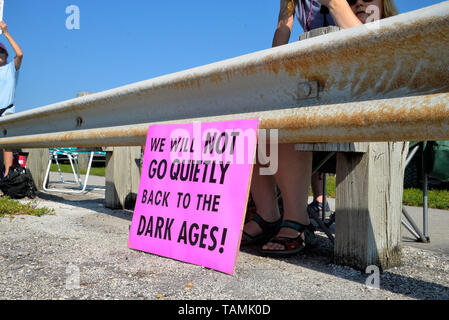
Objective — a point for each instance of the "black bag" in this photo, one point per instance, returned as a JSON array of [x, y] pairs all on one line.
[[18, 183]]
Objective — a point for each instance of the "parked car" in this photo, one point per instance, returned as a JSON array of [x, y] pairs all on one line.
[[436, 165]]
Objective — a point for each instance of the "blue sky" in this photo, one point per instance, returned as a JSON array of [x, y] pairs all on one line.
[[121, 42]]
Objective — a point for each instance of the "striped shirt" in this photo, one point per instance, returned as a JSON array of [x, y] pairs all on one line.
[[309, 16]]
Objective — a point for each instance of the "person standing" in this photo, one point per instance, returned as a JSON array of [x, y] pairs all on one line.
[[8, 81]]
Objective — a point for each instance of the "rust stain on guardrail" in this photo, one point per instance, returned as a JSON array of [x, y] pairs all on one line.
[[417, 118]]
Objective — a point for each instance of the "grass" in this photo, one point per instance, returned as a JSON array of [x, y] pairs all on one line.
[[438, 199], [331, 188], [94, 171], [12, 207]]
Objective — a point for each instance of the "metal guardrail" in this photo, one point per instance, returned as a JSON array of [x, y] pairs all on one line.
[[390, 83]]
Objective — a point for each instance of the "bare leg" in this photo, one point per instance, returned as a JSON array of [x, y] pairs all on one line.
[[293, 178], [263, 191], [317, 187], [7, 160]]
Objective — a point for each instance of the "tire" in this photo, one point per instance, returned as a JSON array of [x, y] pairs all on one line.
[[411, 176]]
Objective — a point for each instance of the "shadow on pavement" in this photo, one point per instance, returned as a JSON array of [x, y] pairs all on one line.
[[91, 201], [321, 259]]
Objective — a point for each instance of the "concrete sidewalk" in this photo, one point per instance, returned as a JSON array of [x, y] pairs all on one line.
[[93, 182], [438, 230]]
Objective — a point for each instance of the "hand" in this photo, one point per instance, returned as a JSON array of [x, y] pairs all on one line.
[[4, 27], [342, 13]]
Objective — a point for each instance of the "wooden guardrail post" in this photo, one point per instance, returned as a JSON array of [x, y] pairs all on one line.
[[122, 177], [84, 156], [369, 206]]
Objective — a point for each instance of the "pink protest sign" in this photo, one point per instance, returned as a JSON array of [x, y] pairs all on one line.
[[193, 192]]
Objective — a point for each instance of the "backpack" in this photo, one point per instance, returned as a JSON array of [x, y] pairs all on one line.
[[18, 183]]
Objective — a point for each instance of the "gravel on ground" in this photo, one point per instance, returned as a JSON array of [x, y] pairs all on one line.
[[80, 252]]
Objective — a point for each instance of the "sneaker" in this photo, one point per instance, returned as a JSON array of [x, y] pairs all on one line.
[[314, 209], [329, 222], [317, 207]]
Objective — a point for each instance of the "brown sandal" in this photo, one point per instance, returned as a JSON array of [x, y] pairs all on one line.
[[292, 246], [269, 229]]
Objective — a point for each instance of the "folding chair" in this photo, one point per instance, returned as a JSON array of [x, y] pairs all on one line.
[[411, 225], [72, 155]]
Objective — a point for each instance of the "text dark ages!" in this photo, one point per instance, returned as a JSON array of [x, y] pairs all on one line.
[[202, 236]]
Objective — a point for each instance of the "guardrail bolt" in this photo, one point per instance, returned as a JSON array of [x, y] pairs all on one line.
[[307, 90], [79, 121]]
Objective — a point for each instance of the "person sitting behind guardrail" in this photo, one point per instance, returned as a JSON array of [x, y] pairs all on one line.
[[291, 233], [8, 82]]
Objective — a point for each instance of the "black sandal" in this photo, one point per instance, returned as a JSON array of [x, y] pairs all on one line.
[[292, 246], [269, 229]]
